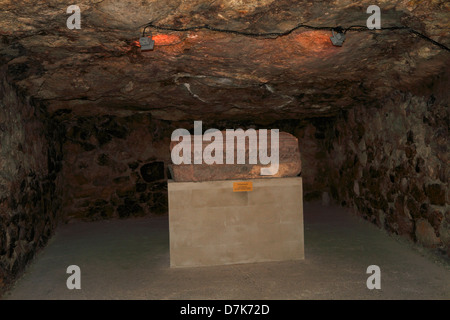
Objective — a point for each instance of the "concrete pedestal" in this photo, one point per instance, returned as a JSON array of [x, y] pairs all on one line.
[[216, 223]]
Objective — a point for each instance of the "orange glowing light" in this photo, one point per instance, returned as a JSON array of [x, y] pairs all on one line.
[[161, 40], [314, 40], [166, 39]]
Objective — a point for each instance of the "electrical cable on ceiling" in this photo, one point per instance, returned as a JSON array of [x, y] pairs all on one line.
[[340, 30]]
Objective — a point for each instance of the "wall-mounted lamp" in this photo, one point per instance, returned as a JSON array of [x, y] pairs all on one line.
[[337, 38], [146, 43]]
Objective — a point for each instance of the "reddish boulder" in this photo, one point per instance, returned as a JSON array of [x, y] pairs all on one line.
[[289, 162]]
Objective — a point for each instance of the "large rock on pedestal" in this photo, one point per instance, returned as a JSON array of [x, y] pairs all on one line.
[[289, 162]]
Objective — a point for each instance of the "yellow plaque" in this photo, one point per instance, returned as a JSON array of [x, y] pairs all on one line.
[[243, 186]]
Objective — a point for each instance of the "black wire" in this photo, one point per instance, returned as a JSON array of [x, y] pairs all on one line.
[[244, 33], [357, 28], [364, 28], [429, 39]]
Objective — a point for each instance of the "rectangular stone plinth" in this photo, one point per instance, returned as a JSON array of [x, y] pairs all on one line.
[[210, 224]]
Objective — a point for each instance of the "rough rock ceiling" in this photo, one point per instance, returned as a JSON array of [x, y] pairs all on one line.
[[207, 75]]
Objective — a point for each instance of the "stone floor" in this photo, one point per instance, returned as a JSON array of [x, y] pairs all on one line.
[[129, 259]]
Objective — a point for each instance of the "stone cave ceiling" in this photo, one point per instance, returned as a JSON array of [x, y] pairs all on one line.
[[202, 74]]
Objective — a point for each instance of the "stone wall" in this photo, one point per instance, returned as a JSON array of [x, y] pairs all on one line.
[[391, 164], [115, 167], [313, 138], [30, 159]]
